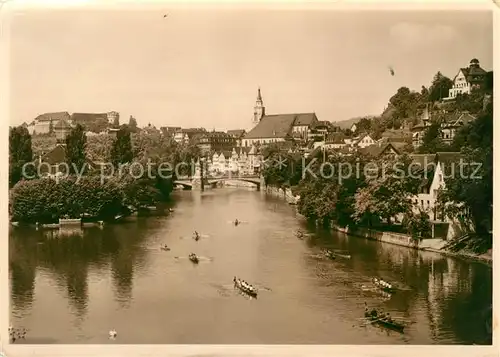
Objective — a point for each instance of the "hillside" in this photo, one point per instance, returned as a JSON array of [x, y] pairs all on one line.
[[346, 124]]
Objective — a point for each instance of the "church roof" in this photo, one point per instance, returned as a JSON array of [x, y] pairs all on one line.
[[305, 119], [280, 125], [272, 126]]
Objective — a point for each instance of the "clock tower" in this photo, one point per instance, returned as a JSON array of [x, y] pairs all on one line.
[[259, 110]]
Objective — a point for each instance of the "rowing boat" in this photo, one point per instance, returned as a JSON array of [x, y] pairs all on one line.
[[384, 285], [193, 258], [384, 322], [247, 290], [329, 254], [334, 255]]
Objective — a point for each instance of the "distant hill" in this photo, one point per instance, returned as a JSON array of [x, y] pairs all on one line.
[[346, 124]]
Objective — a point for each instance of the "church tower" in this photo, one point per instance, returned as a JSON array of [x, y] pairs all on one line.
[[259, 110]]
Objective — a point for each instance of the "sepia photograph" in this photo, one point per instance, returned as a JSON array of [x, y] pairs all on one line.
[[193, 175]]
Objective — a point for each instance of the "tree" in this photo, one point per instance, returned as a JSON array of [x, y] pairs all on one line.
[[51, 127], [76, 143], [364, 125], [20, 153], [472, 189], [424, 93], [121, 152], [404, 104], [132, 124], [116, 121], [387, 193], [440, 87], [418, 225], [432, 140]]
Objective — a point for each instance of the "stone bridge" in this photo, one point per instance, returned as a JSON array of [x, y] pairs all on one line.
[[188, 183]]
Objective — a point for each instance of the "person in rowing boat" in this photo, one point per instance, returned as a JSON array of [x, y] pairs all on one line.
[[236, 222], [388, 317], [196, 235], [367, 312]]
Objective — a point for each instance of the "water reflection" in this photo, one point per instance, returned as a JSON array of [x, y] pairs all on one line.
[[69, 254], [117, 276], [455, 295]]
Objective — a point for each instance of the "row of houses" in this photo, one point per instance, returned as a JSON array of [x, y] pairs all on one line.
[[60, 123]]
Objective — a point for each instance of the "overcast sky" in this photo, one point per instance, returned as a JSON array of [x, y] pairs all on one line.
[[203, 68]]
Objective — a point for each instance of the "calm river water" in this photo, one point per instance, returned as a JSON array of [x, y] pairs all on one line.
[[75, 288]]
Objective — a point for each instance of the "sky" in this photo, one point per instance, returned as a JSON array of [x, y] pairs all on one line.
[[203, 68]]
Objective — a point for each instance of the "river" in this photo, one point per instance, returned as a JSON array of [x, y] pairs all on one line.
[[76, 288]]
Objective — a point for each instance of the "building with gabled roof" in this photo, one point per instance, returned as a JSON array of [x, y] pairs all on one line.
[[215, 141], [467, 79], [277, 127], [378, 150], [53, 163], [44, 123]]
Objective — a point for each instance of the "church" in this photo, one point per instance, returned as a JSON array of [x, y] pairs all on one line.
[[277, 127]]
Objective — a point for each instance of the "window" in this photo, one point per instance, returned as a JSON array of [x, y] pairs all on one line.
[[440, 178], [422, 203], [428, 203]]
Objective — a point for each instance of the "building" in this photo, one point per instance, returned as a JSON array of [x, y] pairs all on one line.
[[378, 150], [419, 129], [169, 131], [362, 141], [112, 117], [259, 111], [278, 127], [303, 124], [450, 123], [53, 163], [238, 135], [94, 122], [437, 167], [185, 135], [335, 141], [241, 161], [151, 130], [215, 141], [44, 123], [453, 123], [467, 79], [319, 130]]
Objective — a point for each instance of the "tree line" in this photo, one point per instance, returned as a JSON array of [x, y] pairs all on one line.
[[41, 199], [378, 201]]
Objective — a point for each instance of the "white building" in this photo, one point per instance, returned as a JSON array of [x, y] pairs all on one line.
[[467, 79]]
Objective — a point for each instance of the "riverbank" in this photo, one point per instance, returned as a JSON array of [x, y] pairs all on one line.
[[430, 245], [286, 194]]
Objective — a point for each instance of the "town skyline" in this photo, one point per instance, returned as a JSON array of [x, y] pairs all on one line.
[[209, 76]]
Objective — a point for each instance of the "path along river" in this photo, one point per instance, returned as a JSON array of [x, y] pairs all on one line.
[[74, 289]]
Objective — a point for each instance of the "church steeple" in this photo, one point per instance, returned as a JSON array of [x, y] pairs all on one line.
[[259, 110]]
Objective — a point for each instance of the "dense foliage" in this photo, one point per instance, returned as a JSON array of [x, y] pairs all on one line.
[[76, 141], [472, 190], [20, 153], [121, 151]]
